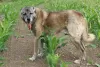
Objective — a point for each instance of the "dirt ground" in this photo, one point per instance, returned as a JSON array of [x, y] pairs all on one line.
[[20, 48]]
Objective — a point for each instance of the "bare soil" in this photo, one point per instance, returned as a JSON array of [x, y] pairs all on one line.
[[20, 48]]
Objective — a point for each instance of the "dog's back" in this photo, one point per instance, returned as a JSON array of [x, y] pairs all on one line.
[[59, 20]]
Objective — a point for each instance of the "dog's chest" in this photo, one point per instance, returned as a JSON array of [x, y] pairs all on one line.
[[34, 29]]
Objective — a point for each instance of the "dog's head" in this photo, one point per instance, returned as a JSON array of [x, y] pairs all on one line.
[[28, 15]]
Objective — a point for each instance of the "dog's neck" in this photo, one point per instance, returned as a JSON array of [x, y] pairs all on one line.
[[40, 18], [41, 15]]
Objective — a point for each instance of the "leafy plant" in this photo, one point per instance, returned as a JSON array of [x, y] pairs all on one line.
[[93, 46], [1, 59], [90, 61], [63, 64], [6, 25], [98, 55], [1, 63], [52, 60], [51, 43], [98, 65]]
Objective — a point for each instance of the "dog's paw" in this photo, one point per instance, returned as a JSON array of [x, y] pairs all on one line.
[[40, 55], [77, 61], [32, 58], [83, 58]]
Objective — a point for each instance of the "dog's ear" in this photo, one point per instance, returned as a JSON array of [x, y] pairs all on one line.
[[34, 9]]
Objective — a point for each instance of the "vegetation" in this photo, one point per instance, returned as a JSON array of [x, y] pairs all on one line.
[[9, 11], [1, 61], [50, 43]]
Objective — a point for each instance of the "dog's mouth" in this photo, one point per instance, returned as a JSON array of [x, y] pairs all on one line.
[[29, 26]]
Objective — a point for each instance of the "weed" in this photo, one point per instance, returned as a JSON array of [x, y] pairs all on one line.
[[90, 61], [63, 64], [1, 61], [98, 65], [51, 43], [52, 60], [98, 55]]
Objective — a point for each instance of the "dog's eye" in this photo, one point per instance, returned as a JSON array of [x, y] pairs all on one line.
[[31, 13], [24, 13]]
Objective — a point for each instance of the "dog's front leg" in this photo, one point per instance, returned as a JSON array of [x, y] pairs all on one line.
[[35, 49], [40, 48]]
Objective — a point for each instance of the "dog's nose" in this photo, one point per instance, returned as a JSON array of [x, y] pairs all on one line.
[[28, 20]]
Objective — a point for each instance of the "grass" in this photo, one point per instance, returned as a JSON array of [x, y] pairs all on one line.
[[1, 61]]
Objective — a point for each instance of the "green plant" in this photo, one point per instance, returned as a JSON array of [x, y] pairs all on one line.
[[1, 63], [98, 65], [63, 64], [98, 54], [51, 43], [90, 61], [1, 59], [52, 60], [93, 46], [6, 25]]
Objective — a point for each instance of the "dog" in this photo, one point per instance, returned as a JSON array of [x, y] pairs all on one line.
[[72, 21]]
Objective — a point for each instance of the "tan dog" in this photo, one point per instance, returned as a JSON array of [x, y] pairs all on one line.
[[71, 20]]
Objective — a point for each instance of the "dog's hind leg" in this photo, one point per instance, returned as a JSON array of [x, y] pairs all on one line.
[[75, 29], [84, 51], [78, 44]]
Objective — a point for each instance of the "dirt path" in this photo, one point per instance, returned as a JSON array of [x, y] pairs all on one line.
[[20, 48]]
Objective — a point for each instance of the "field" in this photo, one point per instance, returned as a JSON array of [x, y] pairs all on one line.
[[16, 40]]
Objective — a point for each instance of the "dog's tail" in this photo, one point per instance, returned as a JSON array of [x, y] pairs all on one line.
[[88, 37]]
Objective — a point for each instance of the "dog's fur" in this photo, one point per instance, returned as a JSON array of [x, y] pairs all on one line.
[[73, 21]]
